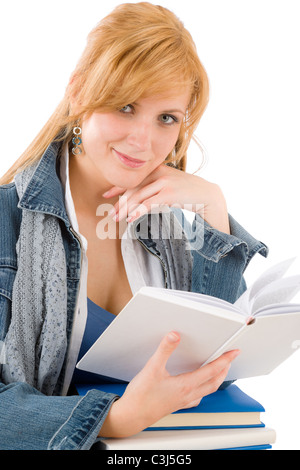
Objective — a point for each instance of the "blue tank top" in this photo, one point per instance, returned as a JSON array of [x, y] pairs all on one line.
[[98, 319]]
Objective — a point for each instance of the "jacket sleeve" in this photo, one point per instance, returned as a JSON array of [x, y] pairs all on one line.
[[30, 420]]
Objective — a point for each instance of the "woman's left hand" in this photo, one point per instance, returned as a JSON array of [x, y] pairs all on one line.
[[172, 187]]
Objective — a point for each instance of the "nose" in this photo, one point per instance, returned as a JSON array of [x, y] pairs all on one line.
[[140, 136]]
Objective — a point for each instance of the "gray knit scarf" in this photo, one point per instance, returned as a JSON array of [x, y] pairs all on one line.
[[35, 345]]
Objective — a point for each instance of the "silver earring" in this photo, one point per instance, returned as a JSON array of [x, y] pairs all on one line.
[[76, 141]]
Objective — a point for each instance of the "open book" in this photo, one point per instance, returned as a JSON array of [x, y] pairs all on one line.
[[262, 324]]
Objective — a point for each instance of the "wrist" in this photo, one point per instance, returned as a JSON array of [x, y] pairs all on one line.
[[120, 422], [214, 211]]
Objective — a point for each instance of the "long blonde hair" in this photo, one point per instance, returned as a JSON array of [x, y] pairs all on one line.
[[136, 51]]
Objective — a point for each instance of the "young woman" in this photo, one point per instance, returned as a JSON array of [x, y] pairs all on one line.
[[117, 143]]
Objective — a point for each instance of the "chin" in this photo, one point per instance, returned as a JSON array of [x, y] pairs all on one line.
[[126, 179]]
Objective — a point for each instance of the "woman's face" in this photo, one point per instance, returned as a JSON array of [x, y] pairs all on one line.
[[126, 145]]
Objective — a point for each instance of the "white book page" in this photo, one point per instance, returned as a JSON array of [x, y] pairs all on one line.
[[280, 291], [246, 300], [277, 309]]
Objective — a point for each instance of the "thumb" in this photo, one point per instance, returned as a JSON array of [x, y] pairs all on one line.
[[168, 344]]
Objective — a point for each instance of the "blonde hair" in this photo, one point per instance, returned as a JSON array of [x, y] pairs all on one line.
[[138, 50]]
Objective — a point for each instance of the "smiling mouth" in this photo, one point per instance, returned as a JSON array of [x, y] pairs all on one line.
[[129, 161]]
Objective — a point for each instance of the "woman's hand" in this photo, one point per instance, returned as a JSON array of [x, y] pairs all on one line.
[[172, 187], [154, 393]]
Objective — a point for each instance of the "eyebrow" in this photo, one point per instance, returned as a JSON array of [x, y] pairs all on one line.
[[166, 111], [173, 111]]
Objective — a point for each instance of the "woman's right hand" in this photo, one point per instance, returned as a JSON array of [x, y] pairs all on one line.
[[153, 393]]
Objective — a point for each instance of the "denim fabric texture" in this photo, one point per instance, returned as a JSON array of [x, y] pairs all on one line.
[[28, 419]]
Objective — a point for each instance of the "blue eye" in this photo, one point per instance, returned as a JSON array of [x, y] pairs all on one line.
[[126, 109], [168, 119]]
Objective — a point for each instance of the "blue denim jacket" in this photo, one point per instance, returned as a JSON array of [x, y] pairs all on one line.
[[30, 420]]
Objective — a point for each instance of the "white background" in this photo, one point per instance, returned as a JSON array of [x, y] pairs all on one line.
[[250, 49]]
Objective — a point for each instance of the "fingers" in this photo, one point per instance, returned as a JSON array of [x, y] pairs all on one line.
[[211, 370], [208, 378], [148, 206], [168, 344], [114, 191], [183, 390], [212, 375], [192, 404], [214, 383], [138, 201]]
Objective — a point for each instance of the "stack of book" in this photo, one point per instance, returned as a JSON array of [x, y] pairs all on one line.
[[226, 419]]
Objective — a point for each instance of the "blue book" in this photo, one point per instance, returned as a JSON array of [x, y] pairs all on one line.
[[262, 447], [230, 407]]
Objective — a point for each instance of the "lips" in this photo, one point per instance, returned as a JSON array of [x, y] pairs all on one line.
[[129, 161]]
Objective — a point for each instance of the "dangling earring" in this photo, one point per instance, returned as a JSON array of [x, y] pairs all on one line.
[[76, 141]]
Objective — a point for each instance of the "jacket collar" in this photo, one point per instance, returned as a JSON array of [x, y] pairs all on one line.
[[44, 192]]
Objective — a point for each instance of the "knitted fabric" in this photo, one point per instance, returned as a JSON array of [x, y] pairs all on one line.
[[35, 345]]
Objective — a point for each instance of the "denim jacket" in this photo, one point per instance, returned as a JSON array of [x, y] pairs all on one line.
[[30, 420]]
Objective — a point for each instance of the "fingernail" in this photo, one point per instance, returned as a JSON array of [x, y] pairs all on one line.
[[173, 337], [112, 211], [235, 354], [131, 217]]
